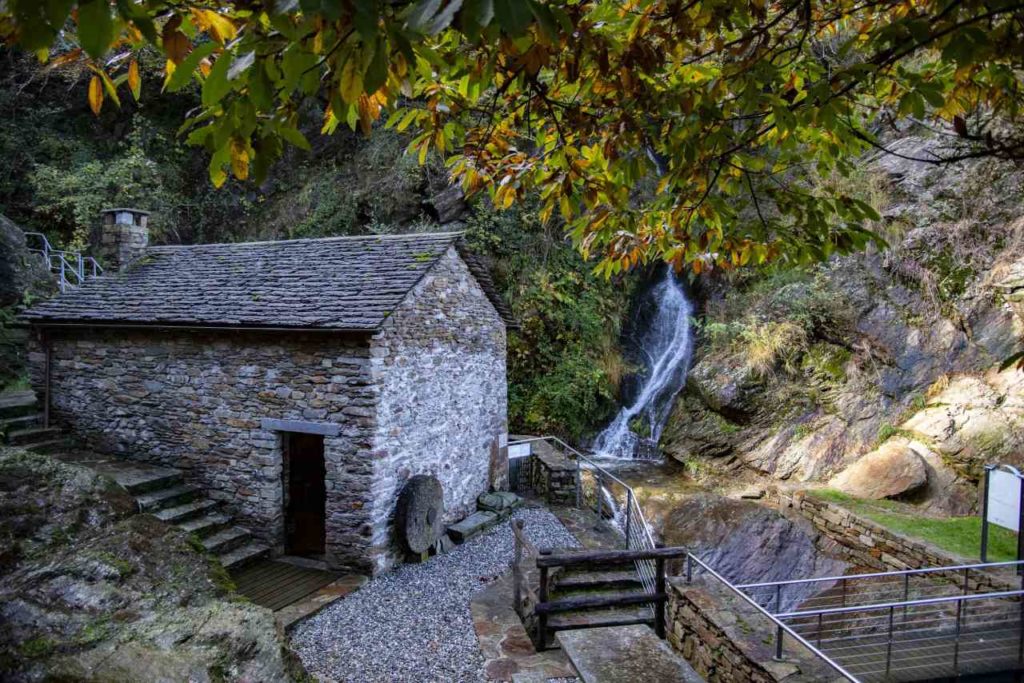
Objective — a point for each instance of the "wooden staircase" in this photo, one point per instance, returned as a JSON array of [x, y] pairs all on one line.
[[599, 589], [159, 491]]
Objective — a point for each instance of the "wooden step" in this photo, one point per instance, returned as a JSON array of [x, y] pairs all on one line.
[[10, 424], [206, 525], [598, 600], [243, 555], [591, 619], [609, 580], [60, 445], [18, 403], [226, 540], [32, 435], [181, 513], [168, 497]]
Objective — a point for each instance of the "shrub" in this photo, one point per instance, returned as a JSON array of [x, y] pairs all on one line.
[[766, 345]]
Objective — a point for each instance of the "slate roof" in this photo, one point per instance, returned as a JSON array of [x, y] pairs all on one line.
[[337, 283]]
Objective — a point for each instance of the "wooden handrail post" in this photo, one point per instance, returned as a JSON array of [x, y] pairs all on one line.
[[659, 589], [542, 618]]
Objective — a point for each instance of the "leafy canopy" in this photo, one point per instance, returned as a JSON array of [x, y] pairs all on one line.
[[697, 131]]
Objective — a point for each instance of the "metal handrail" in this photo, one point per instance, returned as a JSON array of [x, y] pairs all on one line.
[[926, 570], [902, 603], [781, 628], [636, 529], [57, 262]]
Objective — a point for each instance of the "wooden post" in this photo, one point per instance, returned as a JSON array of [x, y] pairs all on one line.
[[542, 618], [659, 588], [516, 559]]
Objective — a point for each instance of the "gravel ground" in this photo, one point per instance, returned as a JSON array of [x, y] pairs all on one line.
[[413, 624]]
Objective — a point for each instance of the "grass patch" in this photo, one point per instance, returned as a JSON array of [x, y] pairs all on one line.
[[958, 535]]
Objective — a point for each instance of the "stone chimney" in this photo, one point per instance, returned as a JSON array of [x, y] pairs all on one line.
[[123, 237]]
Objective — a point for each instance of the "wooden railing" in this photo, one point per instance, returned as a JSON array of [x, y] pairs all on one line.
[[594, 559]]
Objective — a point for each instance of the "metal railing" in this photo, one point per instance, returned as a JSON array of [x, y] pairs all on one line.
[[781, 628], [612, 499], [932, 622], [71, 267]]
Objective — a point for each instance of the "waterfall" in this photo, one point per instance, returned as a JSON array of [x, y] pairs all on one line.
[[667, 344]]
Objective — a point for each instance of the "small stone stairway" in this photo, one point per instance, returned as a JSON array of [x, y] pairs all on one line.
[[593, 583], [159, 491], [162, 492], [21, 424]]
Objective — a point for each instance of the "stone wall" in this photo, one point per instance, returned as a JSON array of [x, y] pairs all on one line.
[[867, 544], [194, 400], [552, 474], [727, 641], [440, 364]]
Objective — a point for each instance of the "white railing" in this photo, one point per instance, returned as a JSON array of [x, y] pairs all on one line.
[[611, 498], [71, 267]]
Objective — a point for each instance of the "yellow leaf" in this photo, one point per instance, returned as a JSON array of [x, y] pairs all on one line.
[[95, 95], [134, 80], [239, 159], [351, 85], [217, 25]]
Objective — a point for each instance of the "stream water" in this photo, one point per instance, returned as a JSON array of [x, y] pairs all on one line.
[[666, 344]]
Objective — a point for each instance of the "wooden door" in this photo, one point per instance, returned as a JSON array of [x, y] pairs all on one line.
[[305, 517]]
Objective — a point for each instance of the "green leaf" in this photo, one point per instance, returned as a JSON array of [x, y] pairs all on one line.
[[95, 27], [294, 136], [377, 72], [217, 84], [182, 75], [513, 15], [421, 13]]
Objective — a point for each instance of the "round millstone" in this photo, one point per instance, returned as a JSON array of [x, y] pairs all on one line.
[[420, 511]]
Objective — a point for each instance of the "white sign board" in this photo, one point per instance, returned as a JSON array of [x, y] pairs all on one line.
[[1004, 499], [519, 450]]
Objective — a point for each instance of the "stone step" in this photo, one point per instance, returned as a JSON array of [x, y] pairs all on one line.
[[32, 435], [241, 556], [207, 525], [139, 478], [625, 654], [181, 513], [10, 424], [18, 403], [164, 498], [226, 540], [477, 522], [610, 580]]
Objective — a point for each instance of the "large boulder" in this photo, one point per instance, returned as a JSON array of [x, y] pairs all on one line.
[[91, 591], [20, 269], [892, 470]]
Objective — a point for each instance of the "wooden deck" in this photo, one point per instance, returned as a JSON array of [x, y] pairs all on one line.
[[275, 584]]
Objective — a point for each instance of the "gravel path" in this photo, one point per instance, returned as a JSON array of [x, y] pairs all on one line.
[[413, 624]]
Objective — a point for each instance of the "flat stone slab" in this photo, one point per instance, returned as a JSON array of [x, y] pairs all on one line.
[[137, 477], [472, 525], [624, 654], [498, 501]]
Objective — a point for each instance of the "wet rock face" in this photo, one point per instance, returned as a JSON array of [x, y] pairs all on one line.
[[892, 470], [942, 307], [90, 591], [747, 542]]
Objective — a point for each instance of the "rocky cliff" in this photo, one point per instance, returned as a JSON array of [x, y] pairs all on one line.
[[22, 277], [891, 356], [91, 592]]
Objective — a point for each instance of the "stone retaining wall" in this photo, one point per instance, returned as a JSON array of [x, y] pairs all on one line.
[[552, 474], [727, 641], [868, 544]]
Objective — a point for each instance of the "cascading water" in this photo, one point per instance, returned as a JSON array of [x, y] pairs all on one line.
[[667, 343]]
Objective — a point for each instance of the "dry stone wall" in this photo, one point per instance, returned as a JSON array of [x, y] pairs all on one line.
[[868, 544], [727, 641], [195, 401], [440, 366]]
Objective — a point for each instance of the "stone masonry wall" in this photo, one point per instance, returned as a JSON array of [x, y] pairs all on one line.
[[868, 544], [552, 475], [725, 640], [194, 401], [440, 363]]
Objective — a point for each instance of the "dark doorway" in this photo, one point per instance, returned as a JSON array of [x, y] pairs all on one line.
[[305, 514]]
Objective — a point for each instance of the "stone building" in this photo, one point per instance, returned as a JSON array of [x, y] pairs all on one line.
[[327, 371]]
